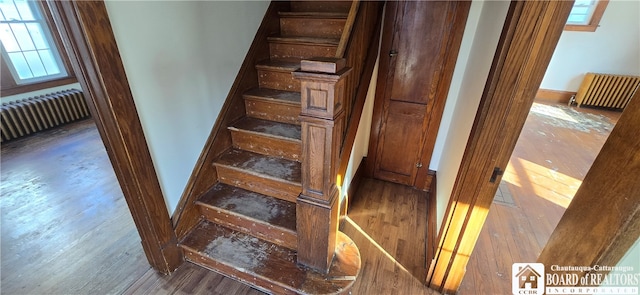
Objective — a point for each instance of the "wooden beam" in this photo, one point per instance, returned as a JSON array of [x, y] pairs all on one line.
[[89, 41], [531, 32], [603, 219]]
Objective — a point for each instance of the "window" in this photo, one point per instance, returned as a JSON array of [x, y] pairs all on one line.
[[585, 15], [31, 59]]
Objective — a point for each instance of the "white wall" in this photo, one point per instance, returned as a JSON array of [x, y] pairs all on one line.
[[181, 59], [478, 47], [361, 143], [614, 48], [630, 260], [10, 98]]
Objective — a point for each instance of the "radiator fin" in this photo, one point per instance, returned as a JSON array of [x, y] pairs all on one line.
[[27, 116], [608, 91]]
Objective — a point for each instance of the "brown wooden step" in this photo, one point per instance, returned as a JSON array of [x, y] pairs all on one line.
[[314, 14], [267, 266], [321, 25], [267, 137], [273, 105], [302, 47], [321, 6], [271, 176], [261, 216], [276, 74]]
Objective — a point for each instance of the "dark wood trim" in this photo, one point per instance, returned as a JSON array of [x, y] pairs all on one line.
[[603, 220], [91, 45], [9, 86], [204, 174], [531, 32], [34, 86], [594, 23], [360, 99], [557, 96], [458, 14], [389, 23], [431, 241]]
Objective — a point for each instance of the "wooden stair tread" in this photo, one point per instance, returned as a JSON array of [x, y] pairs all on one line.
[[271, 128], [251, 205], [274, 94], [304, 40], [268, 266], [262, 165], [312, 14], [321, 6], [279, 64]]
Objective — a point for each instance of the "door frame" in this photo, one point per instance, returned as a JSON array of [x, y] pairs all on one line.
[[531, 32], [91, 46]]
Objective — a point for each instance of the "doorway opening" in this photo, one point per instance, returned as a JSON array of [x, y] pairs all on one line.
[[556, 148]]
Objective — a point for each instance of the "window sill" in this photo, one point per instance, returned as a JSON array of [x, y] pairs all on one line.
[[581, 28], [37, 86]]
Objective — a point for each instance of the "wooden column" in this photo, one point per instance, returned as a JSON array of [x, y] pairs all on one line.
[[322, 119]]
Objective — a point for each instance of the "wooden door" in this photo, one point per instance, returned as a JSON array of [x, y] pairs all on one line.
[[419, 48]]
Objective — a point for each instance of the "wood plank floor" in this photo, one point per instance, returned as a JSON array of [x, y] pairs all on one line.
[[66, 228], [555, 150], [388, 223]]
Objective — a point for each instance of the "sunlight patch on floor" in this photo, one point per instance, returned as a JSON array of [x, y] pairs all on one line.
[[374, 243], [547, 183], [552, 111]]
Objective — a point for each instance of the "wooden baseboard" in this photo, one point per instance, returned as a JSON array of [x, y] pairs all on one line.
[[559, 96], [432, 222]]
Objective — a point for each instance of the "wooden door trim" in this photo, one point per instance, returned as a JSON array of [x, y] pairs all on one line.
[[531, 32], [457, 17], [389, 30], [91, 46]]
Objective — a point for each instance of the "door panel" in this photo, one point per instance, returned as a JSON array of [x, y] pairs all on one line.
[[419, 51], [398, 154]]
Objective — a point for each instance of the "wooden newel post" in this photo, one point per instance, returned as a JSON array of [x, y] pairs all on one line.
[[322, 118]]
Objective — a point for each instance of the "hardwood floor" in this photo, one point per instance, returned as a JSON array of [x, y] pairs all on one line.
[[388, 223], [555, 150], [66, 228]]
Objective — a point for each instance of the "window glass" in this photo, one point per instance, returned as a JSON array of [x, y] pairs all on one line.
[[27, 43], [581, 12]]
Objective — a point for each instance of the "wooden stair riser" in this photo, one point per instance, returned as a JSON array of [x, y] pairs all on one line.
[[300, 50], [312, 27], [273, 110], [266, 145], [265, 231], [321, 6], [277, 80], [276, 188], [234, 273], [267, 266]]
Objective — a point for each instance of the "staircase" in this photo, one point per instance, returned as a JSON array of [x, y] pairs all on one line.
[[247, 227]]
